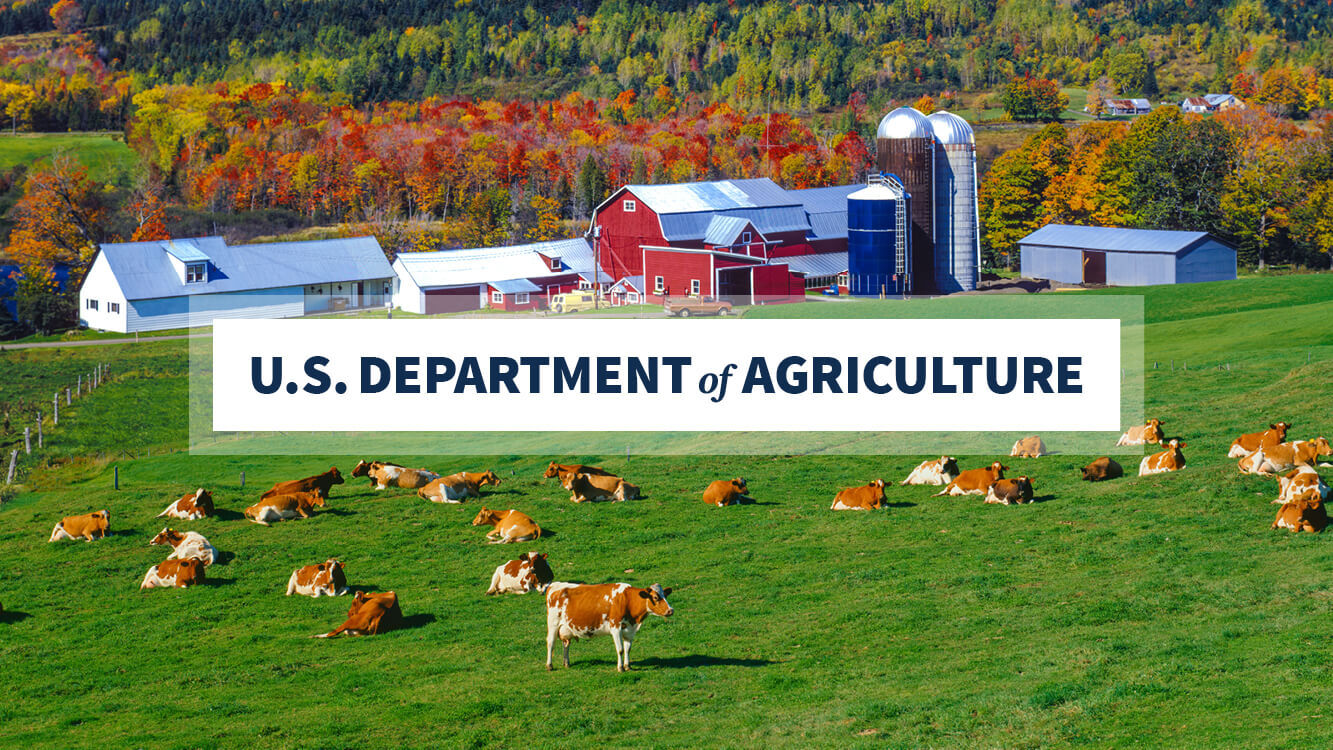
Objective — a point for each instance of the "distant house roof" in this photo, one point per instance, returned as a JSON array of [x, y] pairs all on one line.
[[826, 209], [1197, 101], [1141, 103], [144, 270], [1115, 239], [1216, 99], [487, 265], [725, 230], [819, 264], [514, 286]]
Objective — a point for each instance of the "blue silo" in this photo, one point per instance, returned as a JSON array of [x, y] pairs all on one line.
[[878, 257]]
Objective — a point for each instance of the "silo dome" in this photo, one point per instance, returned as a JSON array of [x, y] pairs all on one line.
[[950, 129], [903, 122]]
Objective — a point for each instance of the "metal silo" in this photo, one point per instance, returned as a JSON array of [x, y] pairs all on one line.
[[879, 239], [957, 248], [905, 146]]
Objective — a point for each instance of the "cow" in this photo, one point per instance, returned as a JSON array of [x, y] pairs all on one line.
[[1306, 514], [188, 545], [554, 470], [324, 579], [974, 481], [1102, 469], [321, 483], [1010, 491], [940, 471], [1028, 447], [866, 497], [1148, 432], [370, 614], [530, 572], [585, 488], [191, 507], [582, 611], [1170, 459], [1300, 483], [282, 507], [383, 475], [510, 526], [177, 573], [1284, 457], [727, 492], [89, 527], [1253, 441]]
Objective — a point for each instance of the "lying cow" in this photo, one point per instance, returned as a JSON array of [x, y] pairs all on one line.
[[940, 471], [1284, 457], [1170, 459], [1028, 447], [866, 497], [1148, 432], [186, 545], [582, 611], [1253, 441], [554, 470], [325, 579], [1102, 469], [457, 488], [585, 488], [178, 574], [283, 507], [974, 481], [89, 526], [370, 614], [1010, 491], [725, 492], [529, 572], [509, 526], [383, 475], [1306, 514], [191, 507], [1300, 483], [321, 483]]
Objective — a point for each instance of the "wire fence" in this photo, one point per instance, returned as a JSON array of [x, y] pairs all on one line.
[[44, 429]]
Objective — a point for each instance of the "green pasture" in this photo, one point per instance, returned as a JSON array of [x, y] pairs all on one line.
[[104, 154]]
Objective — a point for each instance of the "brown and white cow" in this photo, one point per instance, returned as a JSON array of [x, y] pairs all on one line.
[[974, 481], [1300, 483], [89, 526], [509, 526], [585, 488], [554, 470], [282, 507], [321, 483], [178, 574], [186, 545], [191, 507], [324, 579], [1028, 447], [1281, 458], [1306, 514], [530, 572], [457, 488], [725, 492], [1102, 469], [1253, 441], [1010, 491], [940, 471], [370, 614], [866, 497], [1148, 432], [583, 611], [1170, 459], [384, 474]]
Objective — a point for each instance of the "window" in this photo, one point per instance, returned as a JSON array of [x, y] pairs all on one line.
[[555, 264], [842, 279], [497, 298], [746, 237], [658, 285], [694, 287], [584, 285], [632, 298], [113, 308], [195, 272], [631, 207], [521, 298], [91, 304]]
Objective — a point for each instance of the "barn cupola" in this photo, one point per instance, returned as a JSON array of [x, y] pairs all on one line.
[[190, 263]]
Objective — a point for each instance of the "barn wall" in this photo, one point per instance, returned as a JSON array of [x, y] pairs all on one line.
[[203, 309], [624, 233], [676, 270], [407, 296], [100, 284], [1055, 263], [1140, 269], [1210, 261]]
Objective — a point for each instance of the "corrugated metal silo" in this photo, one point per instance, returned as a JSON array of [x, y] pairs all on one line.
[[956, 237], [878, 239], [905, 146]]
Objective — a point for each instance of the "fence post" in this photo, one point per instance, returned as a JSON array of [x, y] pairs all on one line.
[[79, 386], [67, 396], [242, 480], [55, 410], [39, 429], [27, 440], [115, 474], [13, 461]]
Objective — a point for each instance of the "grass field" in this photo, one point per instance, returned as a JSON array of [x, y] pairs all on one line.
[[102, 154], [1156, 612]]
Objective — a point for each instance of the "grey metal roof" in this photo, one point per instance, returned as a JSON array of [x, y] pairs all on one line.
[[481, 265], [633, 281], [692, 197], [1216, 99], [144, 270], [724, 230], [826, 209], [769, 221], [819, 264], [577, 256], [513, 286], [184, 250], [1114, 239]]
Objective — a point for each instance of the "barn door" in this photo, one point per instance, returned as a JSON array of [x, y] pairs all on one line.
[[1094, 267]]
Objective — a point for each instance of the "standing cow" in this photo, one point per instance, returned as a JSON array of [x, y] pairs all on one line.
[[583, 611]]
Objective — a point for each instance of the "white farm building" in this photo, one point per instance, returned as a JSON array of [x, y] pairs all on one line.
[[153, 286]]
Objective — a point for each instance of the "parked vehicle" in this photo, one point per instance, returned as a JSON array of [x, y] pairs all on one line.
[[684, 307], [573, 302]]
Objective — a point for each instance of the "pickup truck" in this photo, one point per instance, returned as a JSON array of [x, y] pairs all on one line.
[[684, 307]]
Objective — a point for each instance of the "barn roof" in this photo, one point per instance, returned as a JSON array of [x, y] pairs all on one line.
[[724, 230], [630, 282], [819, 264], [1115, 239], [482, 265], [144, 269], [827, 209], [513, 286], [685, 210]]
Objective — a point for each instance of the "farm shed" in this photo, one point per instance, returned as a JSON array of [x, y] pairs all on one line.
[[1125, 257], [153, 286], [517, 277]]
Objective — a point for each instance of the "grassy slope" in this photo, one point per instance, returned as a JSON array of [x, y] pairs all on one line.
[[99, 152], [1157, 611]]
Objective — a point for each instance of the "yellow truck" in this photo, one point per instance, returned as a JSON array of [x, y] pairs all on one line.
[[573, 301]]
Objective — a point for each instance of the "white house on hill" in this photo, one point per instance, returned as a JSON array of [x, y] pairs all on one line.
[[153, 286]]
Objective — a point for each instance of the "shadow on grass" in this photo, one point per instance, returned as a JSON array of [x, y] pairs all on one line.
[[1042, 498], [699, 660], [419, 620], [210, 581], [224, 558], [222, 514], [12, 616], [123, 532], [900, 504], [337, 512]]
